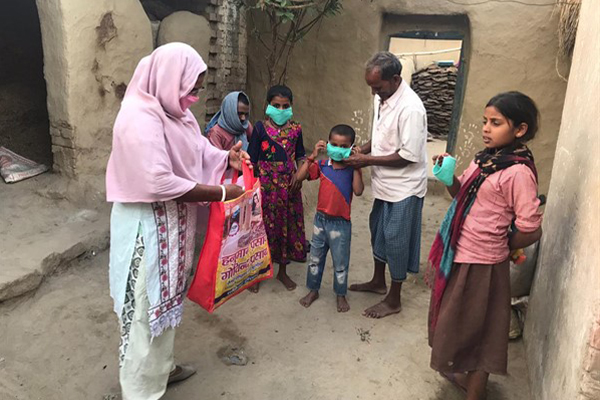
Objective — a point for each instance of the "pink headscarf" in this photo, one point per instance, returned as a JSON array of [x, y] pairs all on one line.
[[158, 152]]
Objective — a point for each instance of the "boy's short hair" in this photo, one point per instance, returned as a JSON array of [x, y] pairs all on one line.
[[343, 130]]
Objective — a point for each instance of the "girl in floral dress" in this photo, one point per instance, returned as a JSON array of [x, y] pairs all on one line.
[[276, 149]]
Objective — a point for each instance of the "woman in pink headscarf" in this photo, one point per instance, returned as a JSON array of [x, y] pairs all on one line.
[[159, 169]]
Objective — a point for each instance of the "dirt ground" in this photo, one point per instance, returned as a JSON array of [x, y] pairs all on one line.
[[61, 342]]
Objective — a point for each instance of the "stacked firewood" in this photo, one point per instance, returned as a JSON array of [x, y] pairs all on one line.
[[435, 86]]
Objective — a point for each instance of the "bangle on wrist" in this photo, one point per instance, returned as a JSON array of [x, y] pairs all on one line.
[[224, 195]]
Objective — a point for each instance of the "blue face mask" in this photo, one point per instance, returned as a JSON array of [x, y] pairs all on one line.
[[445, 172], [279, 116], [338, 153]]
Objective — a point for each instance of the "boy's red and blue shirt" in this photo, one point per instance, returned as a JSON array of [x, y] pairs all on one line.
[[335, 189]]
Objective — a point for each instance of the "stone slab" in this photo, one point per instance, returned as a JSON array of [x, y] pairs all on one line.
[[43, 233]]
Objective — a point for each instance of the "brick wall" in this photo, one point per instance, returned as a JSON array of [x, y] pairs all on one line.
[[590, 382], [63, 147], [227, 59]]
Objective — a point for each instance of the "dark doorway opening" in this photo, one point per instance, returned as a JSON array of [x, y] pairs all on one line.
[[24, 124], [158, 10]]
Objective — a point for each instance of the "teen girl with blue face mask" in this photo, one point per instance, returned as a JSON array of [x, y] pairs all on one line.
[[277, 150]]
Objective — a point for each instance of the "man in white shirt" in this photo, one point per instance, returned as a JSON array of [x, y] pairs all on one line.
[[397, 156]]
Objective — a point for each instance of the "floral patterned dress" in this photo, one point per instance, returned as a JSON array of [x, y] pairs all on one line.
[[275, 153]]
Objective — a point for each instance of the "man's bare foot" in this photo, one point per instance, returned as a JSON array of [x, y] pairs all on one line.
[[371, 287], [342, 304], [254, 288], [286, 280], [382, 309], [307, 300]]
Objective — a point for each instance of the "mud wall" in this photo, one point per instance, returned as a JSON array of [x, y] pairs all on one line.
[[228, 57], [562, 334], [90, 53], [327, 73], [217, 32], [90, 50], [23, 115]]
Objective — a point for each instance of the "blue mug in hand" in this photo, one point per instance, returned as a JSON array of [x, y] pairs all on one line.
[[445, 172]]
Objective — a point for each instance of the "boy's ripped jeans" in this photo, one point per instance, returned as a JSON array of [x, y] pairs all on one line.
[[329, 233]]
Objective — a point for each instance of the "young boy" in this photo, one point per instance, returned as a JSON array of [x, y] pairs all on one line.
[[332, 226]]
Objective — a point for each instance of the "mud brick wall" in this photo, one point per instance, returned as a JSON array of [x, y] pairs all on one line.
[[227, 60]]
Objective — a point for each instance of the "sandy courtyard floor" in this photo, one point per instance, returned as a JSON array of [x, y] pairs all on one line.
[[62, 342]]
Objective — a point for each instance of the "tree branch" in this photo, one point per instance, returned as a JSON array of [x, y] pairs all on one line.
[[316, 19], [283, 76], [258, 34], [283, 37], [298, 7]]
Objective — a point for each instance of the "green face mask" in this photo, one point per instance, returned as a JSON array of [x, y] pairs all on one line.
[[279, 116], [338, 153]]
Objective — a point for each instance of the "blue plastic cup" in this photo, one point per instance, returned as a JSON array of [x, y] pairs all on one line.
[[445, 172]]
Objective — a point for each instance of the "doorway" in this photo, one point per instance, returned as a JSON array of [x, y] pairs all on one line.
[[24, 124], [432, 66]]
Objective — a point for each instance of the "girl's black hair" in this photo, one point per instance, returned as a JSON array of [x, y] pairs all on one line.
[[281, 91], [519, 109], [242, 98]]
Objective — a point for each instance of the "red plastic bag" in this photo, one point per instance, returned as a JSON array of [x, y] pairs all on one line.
[[236, 252]]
